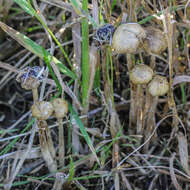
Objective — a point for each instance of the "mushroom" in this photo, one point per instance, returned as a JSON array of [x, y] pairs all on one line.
[[127, 38], [140, 75], [42, 111], [155, 41], [60, 110], [30, 79], [154, 44], [157, 87]]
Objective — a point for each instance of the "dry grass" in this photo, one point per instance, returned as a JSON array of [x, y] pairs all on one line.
[[116, 134]]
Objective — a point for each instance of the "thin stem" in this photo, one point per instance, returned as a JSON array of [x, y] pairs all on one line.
[[61, 143], [150, 122], [35, 94], [46, 153], [140, 113]]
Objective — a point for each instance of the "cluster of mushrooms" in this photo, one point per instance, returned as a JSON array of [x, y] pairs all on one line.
[[127, 38], [132, 38], [143, 74], [42, 110]]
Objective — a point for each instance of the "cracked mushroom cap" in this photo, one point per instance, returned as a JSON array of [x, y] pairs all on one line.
[[127, 38], [60, 107], [141, 74], [158, 86], [42, 110]]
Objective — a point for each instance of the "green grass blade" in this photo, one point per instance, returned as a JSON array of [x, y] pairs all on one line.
[[80, 11], [113, 4], [71, 170], [83, 131], [26, 6], [85, 55], [184, 97], [35, 48]]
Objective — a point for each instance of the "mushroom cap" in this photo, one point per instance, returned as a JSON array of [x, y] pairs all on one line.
[[156, 40], [141, 74], [30, 77], [42, 110], [60, 107], [127, 38], [158, 86], [31, 83]]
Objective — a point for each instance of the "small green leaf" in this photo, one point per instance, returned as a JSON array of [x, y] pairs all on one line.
[[71, 170], [26, 7]]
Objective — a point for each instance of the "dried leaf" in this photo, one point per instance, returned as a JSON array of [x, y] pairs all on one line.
[[172, 173], [183, 152], [180, 79]]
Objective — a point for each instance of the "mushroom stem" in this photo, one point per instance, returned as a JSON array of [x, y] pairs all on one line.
[[44, 139], [61, 142], [132, 112], [150, 122], [50, 143], [42, 111], [60, 110], [35, 94], [152, 62], [140, 75], [139, 103]]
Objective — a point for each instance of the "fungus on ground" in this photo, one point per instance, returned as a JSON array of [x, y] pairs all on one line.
[[154, 44], [127, 38], [157, 87], [42, 111], [155, 41], [60, 107], [140, 75], [30, 79]]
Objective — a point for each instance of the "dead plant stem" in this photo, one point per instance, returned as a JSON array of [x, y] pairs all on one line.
[[61, 143]]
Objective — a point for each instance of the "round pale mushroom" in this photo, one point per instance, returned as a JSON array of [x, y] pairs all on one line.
[[155, 41], [60, 107], [141, 74], [158, 86], [42, 110], [128, 37]]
